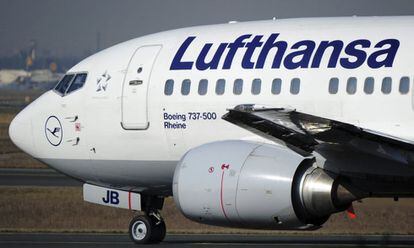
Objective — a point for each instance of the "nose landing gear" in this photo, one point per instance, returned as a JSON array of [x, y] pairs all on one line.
[[148, 228]]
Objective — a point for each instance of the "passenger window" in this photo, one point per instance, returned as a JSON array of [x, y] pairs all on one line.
[[77, 83], [386, 85], [276, 86], [369, 85], [256, 86], [169, 87], [404, 85], [220, 86], [295, 86], [333, 85], [63, 84], [202, 87], [185, 87], [238, 86], [351, 85]]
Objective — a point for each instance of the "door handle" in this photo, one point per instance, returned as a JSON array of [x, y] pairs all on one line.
[[135, 82]]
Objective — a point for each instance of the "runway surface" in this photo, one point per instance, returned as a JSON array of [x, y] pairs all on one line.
[[225, 240], [35, 177]]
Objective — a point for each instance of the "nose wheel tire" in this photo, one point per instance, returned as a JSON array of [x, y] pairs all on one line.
[[145, 230], [159, 232]]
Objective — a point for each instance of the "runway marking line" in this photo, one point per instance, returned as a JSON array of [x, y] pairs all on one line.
[[65, 242], [32, 175]]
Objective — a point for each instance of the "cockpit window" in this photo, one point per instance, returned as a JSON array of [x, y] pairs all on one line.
[[64, 83], [70, 83], [77, 83]]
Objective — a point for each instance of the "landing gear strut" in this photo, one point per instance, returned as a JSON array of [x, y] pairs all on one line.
[[147, 228]]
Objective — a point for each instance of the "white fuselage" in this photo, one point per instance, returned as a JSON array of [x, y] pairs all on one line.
[[131, 136]]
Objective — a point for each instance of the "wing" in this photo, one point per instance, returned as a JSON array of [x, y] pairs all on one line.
[[303, 133]]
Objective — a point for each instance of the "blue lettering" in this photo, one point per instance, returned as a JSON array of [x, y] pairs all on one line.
[[111, 197], [107, 199], [389, 54], [177, 116], [270, 43], [251, 47], [233, 47], [177, 64], [304, 55], [360, 55], [337, 46], [176, 125], [114, 197], [201, 63], [350, 56]]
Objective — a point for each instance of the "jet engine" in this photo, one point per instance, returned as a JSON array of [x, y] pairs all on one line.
[[256, 185]]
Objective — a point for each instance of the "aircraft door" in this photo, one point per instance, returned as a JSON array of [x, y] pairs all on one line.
[[135, 88]]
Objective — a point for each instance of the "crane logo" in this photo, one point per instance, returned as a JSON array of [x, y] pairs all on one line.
[[53, 130]]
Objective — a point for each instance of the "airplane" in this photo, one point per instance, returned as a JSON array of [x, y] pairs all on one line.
[[272, 124], [10, 76], [44, 76], [44, 79]]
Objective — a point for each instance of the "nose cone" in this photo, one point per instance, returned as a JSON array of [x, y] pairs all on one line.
[[20, 132]]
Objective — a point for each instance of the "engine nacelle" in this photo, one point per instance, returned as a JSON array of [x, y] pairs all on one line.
[[254, 185]]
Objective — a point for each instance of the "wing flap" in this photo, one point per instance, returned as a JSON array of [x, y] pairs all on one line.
[[306, 131], [272, 124]]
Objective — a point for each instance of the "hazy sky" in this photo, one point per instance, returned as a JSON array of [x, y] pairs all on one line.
[[70, 27]]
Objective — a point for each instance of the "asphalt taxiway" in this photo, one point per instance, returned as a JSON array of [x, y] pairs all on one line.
[[35, 177], [47, 240], [49, 177]]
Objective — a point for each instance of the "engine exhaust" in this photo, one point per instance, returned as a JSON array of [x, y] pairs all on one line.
[[323, 193]]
